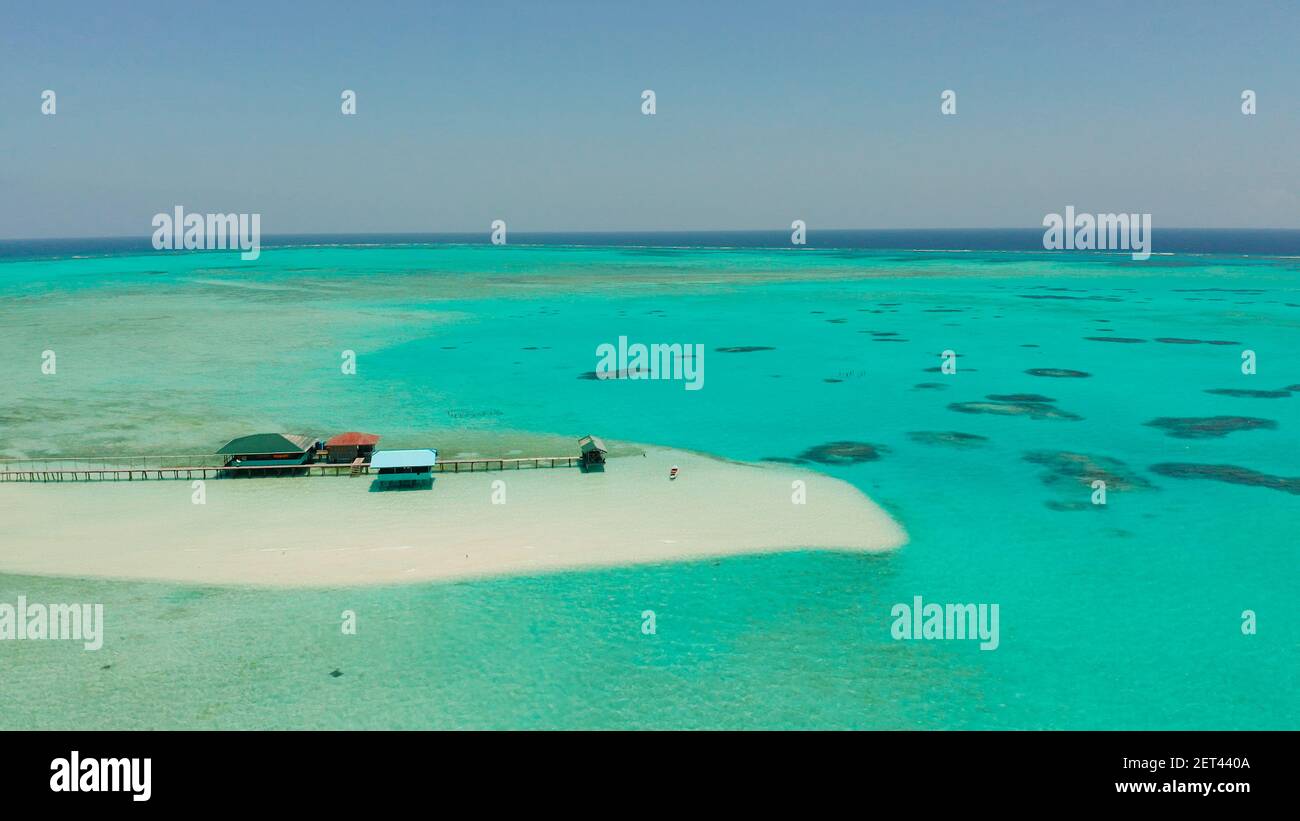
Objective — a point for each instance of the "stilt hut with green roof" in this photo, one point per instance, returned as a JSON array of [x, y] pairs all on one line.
[[269, 450], [593, 452]]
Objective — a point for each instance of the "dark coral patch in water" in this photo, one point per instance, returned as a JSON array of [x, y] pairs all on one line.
[[1058, 296], [1059, 373], [830, 379], [1019, 397], [955, 438], [744, 349], [1174, 340], [843, 453], [1247, 393], [1029, 345], [1127, 340], [1070, 507], [1083, 469], [889, 339], [1208, 427], [1033, 410], [929, 386], [1231, 474], [603, 376], [1243, 291]]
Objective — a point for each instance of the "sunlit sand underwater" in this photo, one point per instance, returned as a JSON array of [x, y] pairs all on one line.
[[1069, 368]]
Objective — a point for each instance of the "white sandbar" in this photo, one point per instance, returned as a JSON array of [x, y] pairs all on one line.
[[327, 532]]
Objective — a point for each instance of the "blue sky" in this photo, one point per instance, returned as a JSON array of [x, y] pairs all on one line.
[[530, 112]]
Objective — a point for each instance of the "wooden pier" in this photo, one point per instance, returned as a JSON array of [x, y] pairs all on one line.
[[530, 462], [138, 468]]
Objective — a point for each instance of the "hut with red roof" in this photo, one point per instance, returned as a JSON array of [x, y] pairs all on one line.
[[347, 447]]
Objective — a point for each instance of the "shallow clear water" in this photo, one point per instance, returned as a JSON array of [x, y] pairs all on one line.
[[1126, 615]]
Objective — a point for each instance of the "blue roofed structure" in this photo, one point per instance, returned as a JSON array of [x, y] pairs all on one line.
[[404, 465]]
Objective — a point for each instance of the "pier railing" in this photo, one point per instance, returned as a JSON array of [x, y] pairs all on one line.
[[529, 462], [54, 464]]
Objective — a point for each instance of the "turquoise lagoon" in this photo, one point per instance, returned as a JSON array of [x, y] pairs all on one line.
[[1122, 616]]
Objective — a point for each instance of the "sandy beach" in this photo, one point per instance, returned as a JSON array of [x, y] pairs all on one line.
[[326, 531]]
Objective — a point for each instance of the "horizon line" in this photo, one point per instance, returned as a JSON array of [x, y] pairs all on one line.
[[652, 231]]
